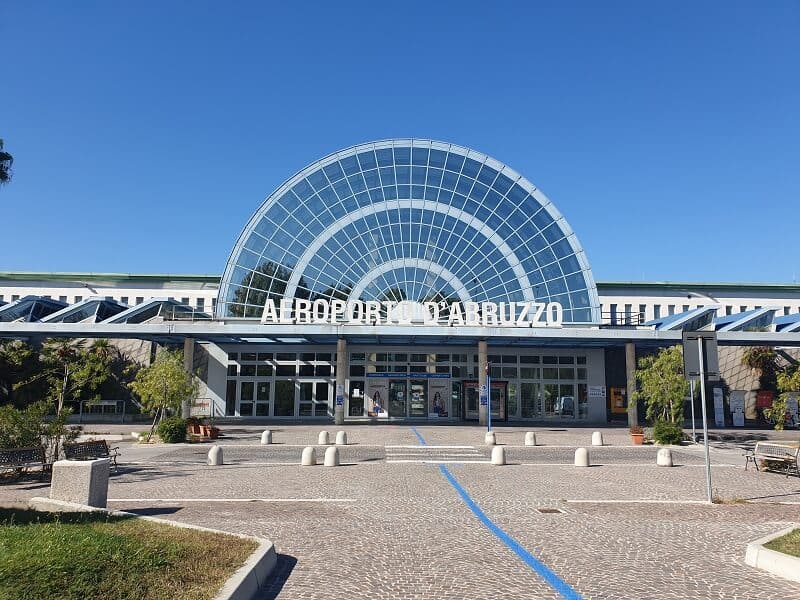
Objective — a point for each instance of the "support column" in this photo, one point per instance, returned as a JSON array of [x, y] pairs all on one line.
[[341, 374], [482, 359], [630, 376], [188, 365]]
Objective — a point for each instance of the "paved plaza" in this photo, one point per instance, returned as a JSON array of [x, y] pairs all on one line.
[[418, 512]]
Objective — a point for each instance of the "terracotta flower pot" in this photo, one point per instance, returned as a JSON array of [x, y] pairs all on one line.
[[637, 439], [213, 432]]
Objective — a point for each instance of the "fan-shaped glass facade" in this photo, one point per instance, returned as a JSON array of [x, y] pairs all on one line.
[[408, 220]]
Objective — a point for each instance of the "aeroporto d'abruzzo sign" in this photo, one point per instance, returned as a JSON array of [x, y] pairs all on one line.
[[372, 312]]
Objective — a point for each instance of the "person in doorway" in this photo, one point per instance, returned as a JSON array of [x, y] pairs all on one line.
[[437, 403], [376, 403]]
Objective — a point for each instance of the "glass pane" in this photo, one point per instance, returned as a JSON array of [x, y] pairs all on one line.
[[419, 395], [284, 398], [248, 371], [246, 409], [230, 399], [397, 398], [512, 400], [247, 390], [529, 400], [263, 391]]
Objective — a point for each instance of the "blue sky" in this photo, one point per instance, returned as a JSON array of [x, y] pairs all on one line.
[[145, 134]]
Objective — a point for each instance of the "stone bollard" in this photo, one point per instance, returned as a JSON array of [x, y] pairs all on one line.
[[266, 437], [308, 458], [581, 457], [324, 439], [498, 455], [664, 457], [215, 456], [489, 439], [341, 438], [530, 438], [80, 481], [597, 438], [332, 457]]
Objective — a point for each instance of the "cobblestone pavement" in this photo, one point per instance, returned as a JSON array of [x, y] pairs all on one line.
[[378, 529]]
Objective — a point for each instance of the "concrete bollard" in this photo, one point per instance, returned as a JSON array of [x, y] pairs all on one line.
[[215, 456], [341, 438], [324, 439], [581, 457], [664, 457], [308, 458], [530, 438], [80, 481], [332, 457], [498, 455], [266, 437], [597, 438], [489, 439]]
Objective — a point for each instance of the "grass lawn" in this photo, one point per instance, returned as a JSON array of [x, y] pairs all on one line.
[[788, 544], [88, 556]]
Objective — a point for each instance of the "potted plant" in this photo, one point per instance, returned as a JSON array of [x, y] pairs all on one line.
[[637, 435], [193, 426], [209, 430]]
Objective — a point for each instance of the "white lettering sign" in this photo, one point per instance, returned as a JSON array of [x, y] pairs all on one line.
[[456, 314]]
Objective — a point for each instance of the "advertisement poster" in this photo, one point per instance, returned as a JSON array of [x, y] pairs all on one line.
[[737, 404], [377, 397], [764, 399], [719, 409], [791, 406], [438, 394]]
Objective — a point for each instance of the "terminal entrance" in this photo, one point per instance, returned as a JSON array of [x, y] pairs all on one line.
[[499, 400]]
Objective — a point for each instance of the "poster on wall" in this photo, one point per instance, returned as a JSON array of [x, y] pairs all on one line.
[[377, 397], [737, 404], [791, 406], [438, 395], [719, 409]]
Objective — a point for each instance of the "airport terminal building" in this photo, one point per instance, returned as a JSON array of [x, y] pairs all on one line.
[[403, 280]]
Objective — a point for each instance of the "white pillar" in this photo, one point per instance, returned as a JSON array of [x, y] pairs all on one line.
[[489, 438], [188, 365], [323, 439], [266, 437], [581, 457], [498, 455], [341, 374], [332, 457], [215, 456], [341, 438], [482, 360], [308, 458], [530, 438], [630, 374], [597, 438]]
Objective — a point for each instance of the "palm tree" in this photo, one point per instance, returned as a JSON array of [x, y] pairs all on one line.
[[6, 160]]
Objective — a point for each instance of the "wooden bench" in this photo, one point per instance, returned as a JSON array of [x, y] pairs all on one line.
[[91, 450], [19, 460], [785, 454]]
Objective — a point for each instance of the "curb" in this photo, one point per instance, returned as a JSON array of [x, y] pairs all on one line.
[[246, 581], [777, 563]]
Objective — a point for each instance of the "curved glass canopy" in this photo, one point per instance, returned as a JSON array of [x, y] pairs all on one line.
[[412, 220]]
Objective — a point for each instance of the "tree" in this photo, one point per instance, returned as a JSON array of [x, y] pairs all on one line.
[[72, 372], [165, 384], [788, 384], [763, 360], [6, 160], [662, 385]]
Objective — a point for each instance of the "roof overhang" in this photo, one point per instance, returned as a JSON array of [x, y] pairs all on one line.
[[253, 332]]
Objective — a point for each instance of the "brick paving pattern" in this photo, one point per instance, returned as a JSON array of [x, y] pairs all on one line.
[[399, 530]]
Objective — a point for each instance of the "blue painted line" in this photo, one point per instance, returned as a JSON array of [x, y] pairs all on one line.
[[419, 437], [553, 580]]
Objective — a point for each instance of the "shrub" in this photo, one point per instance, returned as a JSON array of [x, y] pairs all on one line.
[[636, 430], [665, 432], [172, 430]]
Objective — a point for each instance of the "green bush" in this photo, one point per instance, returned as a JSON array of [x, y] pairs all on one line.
[[172, 430], [665, 432]]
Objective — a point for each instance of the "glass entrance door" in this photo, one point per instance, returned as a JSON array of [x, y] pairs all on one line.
[[419, 397], [397, 398], [313, 398], [284, 398], [499, 400], [530, 400]]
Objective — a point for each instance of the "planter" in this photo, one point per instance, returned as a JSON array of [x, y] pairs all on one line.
[[193, 429], [637, 439], [213, 432], [204, 430]]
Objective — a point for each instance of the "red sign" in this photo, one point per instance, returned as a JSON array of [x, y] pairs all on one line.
[[764, 399]]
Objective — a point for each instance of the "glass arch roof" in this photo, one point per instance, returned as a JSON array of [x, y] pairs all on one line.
[[408, 220]]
